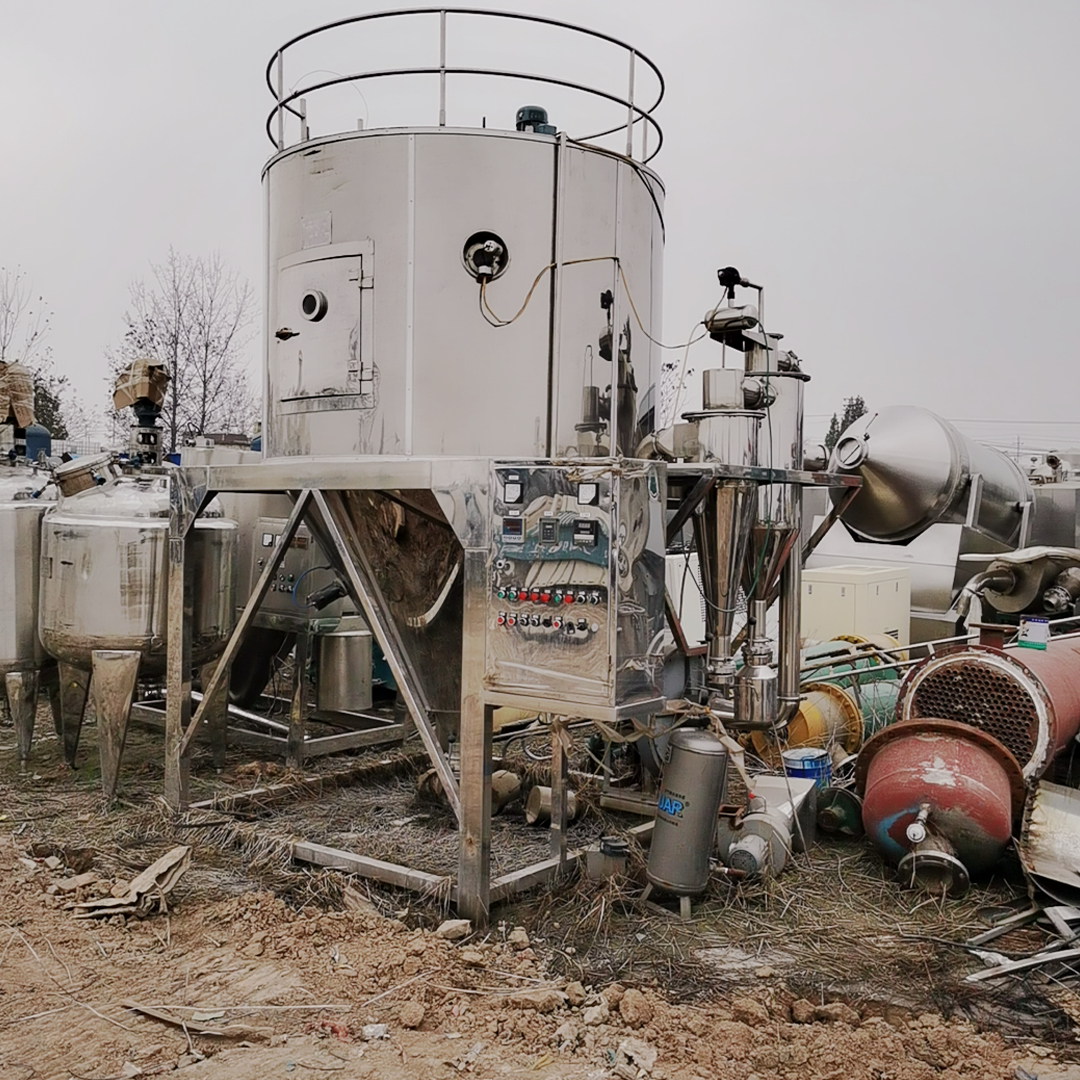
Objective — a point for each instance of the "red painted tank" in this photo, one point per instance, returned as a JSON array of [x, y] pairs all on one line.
[[1027, 699], [973, 788]]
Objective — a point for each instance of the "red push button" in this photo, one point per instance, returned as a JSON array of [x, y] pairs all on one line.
[[568, 598]]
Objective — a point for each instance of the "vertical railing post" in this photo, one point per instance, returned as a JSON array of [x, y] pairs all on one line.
[[280, 95], [442, 69], [630, 109]]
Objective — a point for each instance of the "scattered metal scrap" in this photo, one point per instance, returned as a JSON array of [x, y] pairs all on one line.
[[146, 893]]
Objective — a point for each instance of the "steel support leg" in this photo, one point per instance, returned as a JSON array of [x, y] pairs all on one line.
[[474, 856], [21, 687], [181, 606], [294, 755], [74, 684], [49, 683], [112, 686], [217, 714], [559, 785]]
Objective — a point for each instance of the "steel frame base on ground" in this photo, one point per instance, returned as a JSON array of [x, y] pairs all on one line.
[[316, 486]]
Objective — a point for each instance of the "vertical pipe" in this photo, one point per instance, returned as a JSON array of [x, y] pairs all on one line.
[[630, 109], [410, 285], [555, 362], [790, 618], [474, 852], [442, 69], [179, 614], [559, 778], [280, 95]]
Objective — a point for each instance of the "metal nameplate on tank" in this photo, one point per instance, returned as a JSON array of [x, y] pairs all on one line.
[[576, 587]]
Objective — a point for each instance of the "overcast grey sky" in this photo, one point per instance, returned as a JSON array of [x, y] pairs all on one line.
[[903, 175]]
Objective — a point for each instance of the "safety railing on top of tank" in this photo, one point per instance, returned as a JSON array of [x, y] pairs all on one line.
[[638, 119]]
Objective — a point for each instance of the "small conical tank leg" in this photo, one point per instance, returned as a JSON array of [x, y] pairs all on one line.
[[74, 684], [21, 688], [111, 689]]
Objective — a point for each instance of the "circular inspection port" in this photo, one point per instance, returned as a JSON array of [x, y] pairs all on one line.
[[313, 305], [485, 255], [850, 452]]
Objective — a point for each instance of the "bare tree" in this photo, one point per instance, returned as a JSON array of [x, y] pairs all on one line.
[[24, 320], [195, 316], [24, 327]]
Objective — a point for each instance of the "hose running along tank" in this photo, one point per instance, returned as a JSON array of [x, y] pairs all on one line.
[[943, 786], [441, 291]]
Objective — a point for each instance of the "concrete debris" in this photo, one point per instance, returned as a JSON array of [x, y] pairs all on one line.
[[575, 994], [595, 1015], [146, 893], [567, 1034], [541, 1001], [371, 1032], [72, 884], [465, 1062], [472, 957], [639, 1055], [518, 938], [454, 929]]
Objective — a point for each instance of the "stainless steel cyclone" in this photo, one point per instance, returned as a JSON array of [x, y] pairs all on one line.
[[104, 581], [918, 470]]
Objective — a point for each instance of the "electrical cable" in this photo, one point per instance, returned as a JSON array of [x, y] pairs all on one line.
[[296, 584]]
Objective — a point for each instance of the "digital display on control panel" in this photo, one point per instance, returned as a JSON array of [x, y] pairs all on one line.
[[513, 530]]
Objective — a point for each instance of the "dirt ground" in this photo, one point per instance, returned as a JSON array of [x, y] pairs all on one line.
[[584, 980]]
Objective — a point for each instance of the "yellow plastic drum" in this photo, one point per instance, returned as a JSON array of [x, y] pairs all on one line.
[[828, 716]]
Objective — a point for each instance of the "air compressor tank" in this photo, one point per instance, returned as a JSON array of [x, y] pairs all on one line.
[[690, 796], [918, 469]]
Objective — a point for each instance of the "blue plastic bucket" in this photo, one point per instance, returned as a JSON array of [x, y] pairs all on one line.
[[809, 763]]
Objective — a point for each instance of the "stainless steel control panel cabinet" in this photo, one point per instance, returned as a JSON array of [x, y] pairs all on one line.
[[575, 606]]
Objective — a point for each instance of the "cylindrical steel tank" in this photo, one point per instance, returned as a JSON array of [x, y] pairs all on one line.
[[690, 795], [917, 469], [104, 581], [376, 339], [1028, 699], [345, 668], [24, 498], [939, 799]]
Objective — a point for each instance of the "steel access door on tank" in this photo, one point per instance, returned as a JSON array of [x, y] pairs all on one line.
[[322, 349]]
